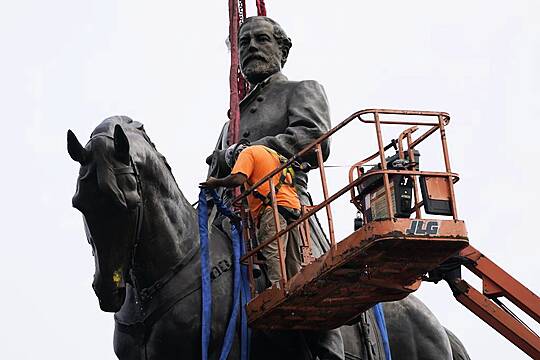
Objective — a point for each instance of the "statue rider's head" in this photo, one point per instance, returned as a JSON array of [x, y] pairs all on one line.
[[263, 48]]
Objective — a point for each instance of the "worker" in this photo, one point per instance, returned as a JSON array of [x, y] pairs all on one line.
[[249, 165]]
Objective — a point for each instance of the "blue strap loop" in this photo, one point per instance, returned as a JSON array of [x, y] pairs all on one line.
[[241, 291], [381, 323], [206, 286]]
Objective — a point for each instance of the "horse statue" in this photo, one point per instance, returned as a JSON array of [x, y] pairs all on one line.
[[145, 242]]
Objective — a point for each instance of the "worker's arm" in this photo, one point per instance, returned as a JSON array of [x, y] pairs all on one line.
[[229, 181]]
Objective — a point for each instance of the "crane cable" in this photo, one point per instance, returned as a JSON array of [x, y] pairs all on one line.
[[261, 8], [234, 75], [238, 85]]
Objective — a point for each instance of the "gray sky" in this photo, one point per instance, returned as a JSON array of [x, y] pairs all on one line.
[[70, 64]]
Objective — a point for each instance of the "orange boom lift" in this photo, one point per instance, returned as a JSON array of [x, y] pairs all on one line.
[[389, 253], [393, 246]]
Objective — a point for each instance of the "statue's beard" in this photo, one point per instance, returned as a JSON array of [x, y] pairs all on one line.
[[256, 71]]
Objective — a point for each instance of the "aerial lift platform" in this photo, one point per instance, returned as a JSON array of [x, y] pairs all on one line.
[[393, 246]]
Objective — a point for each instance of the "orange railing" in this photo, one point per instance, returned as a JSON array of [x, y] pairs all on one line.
[[357, 176]]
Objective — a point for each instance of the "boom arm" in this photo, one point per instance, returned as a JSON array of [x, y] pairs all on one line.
[[496, 283]]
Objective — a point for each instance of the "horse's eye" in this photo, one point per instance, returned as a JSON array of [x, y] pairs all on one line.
[[130, 183]]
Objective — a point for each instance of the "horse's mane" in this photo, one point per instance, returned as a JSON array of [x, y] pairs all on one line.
[[107, 126], [129, 126]]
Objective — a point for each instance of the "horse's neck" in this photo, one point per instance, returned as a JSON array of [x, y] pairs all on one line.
[[169, 229]]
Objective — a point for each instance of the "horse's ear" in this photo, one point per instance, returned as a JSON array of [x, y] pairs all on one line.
[[121, 145], [75, 149]]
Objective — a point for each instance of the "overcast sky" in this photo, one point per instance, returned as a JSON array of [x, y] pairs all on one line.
[[70, 64]]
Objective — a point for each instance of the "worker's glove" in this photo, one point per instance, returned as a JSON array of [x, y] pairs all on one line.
[[210, 183]]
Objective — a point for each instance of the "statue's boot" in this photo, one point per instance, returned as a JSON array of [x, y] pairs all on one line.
[[297, 345], [326, 345]]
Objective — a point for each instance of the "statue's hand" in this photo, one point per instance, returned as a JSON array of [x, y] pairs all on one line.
[[217, 158]]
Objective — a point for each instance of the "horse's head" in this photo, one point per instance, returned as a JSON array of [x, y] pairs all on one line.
[[109, 196]]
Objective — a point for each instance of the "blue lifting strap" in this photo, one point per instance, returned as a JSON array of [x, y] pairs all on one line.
[[379, 318], [206, 286], [241, 292]]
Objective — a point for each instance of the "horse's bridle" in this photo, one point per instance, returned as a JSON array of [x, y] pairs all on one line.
[[130, 169], [144, 294]]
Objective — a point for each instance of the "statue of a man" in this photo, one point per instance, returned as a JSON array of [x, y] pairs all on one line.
[[280, 114], [285, 116]]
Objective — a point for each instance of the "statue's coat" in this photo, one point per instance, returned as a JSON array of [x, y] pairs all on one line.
[[285, 116]]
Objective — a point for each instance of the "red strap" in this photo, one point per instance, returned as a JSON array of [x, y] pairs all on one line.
[[234, 123], [261, 8], [238, 85]]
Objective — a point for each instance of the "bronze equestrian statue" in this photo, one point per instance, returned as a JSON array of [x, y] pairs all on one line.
[[144, 238], [145, 241]]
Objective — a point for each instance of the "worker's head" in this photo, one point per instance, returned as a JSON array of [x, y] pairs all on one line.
[[232, 152], [263, 48]]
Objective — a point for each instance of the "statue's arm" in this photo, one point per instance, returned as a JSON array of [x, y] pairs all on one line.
[[308, 118], [217, 167]]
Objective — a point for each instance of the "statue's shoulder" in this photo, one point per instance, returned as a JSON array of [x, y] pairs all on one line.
[[313, 85], [300, 87], [310, 89]]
